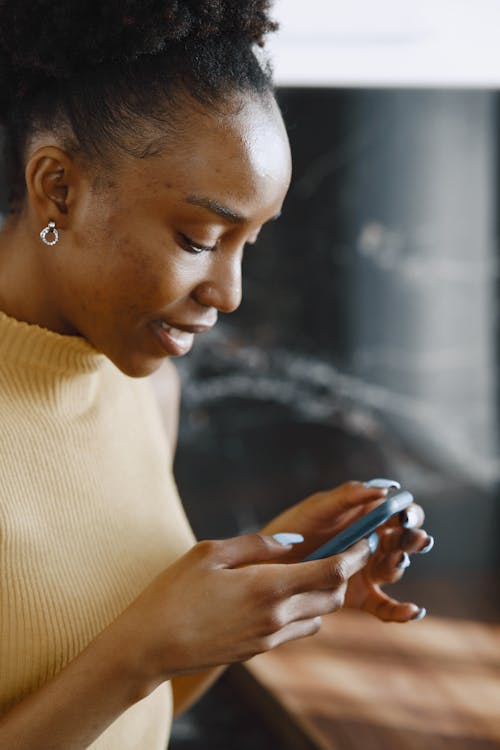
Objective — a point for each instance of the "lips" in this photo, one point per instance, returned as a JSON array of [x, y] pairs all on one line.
[[176, 340]]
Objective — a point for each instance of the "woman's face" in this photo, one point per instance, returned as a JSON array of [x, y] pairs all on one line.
[[149, 261]]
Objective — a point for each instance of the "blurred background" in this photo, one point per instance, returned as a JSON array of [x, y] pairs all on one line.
[[367, 341]]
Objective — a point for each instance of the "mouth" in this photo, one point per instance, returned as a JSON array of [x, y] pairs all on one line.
[[177, 340]]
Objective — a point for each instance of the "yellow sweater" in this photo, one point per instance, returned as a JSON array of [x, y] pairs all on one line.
[[89, 514]]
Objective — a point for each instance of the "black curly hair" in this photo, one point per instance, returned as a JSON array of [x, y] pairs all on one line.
[[93, 71]]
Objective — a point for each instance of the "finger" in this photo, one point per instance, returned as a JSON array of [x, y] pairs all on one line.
[[412, 517], [313, 603], [389, 484], [389, 568], [351, 494], [400, 539], [346, 498], [385, 608], [329, 573], [294, 630], [243, 550], [393, 557]]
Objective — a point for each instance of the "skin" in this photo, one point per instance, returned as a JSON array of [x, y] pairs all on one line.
[[130, 235], [122, 263]]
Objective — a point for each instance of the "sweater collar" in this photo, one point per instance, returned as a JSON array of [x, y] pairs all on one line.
[[31, 344]]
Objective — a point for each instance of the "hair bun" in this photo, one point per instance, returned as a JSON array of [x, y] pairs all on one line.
[[44, 40], [54, 38]]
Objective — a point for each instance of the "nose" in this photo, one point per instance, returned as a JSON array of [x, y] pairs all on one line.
[[222, 287]]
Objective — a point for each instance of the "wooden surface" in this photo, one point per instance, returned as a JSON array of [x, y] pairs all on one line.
[[360, 684]]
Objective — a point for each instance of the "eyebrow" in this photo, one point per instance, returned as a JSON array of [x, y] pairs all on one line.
[[220, 209]]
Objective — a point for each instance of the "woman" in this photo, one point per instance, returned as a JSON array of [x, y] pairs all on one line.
[[145, 150]]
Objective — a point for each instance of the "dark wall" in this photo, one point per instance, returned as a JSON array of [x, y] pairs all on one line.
[[366, 343]]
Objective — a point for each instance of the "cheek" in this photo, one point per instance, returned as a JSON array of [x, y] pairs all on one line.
[[143, 276], [132, 266]]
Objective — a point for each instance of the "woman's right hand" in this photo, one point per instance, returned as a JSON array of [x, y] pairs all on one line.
[[219, 604]]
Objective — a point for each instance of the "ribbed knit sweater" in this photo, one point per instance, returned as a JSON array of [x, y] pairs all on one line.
[[89, 513]]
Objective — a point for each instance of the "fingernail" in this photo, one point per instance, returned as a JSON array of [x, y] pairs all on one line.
[[286, 539], [373, 541], [409, 518], [383, 484], [317, 620], [405, 561], [428, 546], [420, 615]]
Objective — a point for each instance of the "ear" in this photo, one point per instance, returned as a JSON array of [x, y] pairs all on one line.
[[52, 182]]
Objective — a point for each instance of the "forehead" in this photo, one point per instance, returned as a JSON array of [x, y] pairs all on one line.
[[240, 158]]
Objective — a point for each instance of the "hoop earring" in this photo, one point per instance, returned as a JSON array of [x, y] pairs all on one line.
[[50, 229]]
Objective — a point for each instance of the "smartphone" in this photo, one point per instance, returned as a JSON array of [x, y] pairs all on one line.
[[363, 526]]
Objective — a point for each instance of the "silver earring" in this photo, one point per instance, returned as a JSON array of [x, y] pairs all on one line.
[[50, 229]]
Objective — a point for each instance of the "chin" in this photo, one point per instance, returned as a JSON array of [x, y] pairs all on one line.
[[139, 366]]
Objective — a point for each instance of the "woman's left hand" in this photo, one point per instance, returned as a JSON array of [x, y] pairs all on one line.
[[325, 514]]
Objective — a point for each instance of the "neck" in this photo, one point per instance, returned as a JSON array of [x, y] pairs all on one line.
[[25, 289]]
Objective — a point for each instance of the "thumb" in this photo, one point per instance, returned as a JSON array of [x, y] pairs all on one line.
[[255, 548], [386, 608]]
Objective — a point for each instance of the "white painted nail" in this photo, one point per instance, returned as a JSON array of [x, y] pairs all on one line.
[[285, 539], [420, 615], [409, 518], [373, 541], [383, 484], [428, 546], [405, 561]]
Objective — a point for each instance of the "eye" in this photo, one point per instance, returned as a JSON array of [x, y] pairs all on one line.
[[194, 247]]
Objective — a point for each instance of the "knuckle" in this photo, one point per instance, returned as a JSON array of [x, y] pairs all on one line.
[[336, 600], [262, 643], [267, 643], [407, 538], [207, 548], [312, 626], [260, 541], [274, 620], [332, 603], [338, 572], [259, 589], [350, 485], [316, 626], [339, 598], [248, 651]]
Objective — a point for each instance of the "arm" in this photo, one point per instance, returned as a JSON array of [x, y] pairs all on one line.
[[70, 711], [217, 604], [317, 518]]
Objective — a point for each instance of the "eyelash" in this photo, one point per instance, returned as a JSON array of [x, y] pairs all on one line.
[[195, 248]]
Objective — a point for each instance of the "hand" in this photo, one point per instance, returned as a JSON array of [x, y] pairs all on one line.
[[388, 564], [219, 604], [325, 514]]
